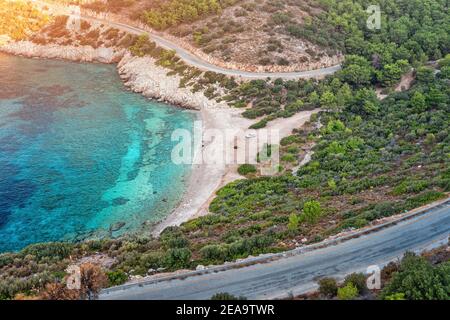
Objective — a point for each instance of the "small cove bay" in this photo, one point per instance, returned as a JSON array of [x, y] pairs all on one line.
[[81, 157]]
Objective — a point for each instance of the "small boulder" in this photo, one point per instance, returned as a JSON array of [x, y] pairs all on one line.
[[117, 226]]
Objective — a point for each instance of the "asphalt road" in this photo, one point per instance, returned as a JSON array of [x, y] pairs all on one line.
[[297, 274], [192, 59], [195, 61]]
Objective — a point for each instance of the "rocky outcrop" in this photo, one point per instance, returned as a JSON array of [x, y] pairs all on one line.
[[72, 53], [141, 75], [144, 76]]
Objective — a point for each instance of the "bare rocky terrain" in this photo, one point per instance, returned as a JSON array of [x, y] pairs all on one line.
[[252, 32]]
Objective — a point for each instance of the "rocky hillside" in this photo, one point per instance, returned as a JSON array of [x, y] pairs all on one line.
[[238, 34], [19, 19]]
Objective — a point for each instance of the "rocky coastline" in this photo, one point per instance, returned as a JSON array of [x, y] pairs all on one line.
[[54, 51], [139, 74], [142, 75]]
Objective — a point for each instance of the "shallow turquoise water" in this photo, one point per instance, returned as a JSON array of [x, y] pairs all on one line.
[[78, 153]]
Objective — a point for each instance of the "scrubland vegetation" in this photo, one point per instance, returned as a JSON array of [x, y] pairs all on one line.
[[394, 160], [173, 12], [191, 77], [161, 14], [414, 277], [372, 158], [413, 30], [60, 32], [253, 32], [230, 30], [108, 5], [412, 33], [18, 19]]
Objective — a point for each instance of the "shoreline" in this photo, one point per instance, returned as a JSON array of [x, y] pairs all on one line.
[[142, 75], [195, 202]]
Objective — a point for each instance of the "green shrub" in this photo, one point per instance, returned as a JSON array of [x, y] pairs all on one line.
[[214, 252], [178, 258], [172, 237], [411, 187], [380, 210], [117, 277], [358, 280], [417, 279], [293, 222], [251, 113], [6, 259], [289, 140], [395, 296], [246, 168], [292, 149], [328, 287], [49, 250], [348, 292], [260, 124], [142, 46], [288, 157], [424, 198], [311, 211], [151, 260], [174, 12]]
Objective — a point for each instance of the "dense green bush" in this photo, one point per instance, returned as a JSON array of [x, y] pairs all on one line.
[[373, 57], [417, 279], [214, 252], [173, 12], [178, 258], [411, 33], [347, 292], [312, 211], [49, 250], [260, 124], [142, 46], [328, 287], [117, 277], [358, 280], [294, 221], [246, 168]]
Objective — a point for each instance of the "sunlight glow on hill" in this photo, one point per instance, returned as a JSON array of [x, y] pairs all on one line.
[[19, 18]]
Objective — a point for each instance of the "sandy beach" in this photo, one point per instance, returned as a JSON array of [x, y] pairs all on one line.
[[143, 76], [207, 179]]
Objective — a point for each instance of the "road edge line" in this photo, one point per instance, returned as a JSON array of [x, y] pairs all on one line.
[[293, 252]]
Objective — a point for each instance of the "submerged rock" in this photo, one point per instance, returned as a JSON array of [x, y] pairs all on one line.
[[117, 226], [120, 201]]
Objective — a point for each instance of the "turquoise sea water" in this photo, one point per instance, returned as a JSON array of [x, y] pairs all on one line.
[[79, 154]]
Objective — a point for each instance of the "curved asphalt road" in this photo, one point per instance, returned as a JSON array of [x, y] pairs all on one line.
[[190, 58], [296, 274], [195, 61]]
